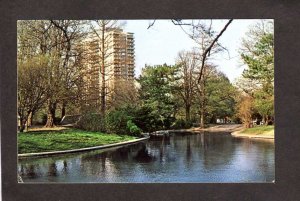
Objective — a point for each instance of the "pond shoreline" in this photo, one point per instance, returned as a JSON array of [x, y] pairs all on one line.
[[236, 130]]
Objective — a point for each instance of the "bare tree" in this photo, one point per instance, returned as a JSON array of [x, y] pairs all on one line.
[[56, 40], [32, 91], [207, 43], [202, 34], [65, 36], [187, 64], [102, 30], [125, 92]]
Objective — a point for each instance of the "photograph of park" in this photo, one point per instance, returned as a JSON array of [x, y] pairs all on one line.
[[145, 101]]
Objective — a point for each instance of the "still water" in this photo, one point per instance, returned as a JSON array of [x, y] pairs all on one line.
[[179, 158]]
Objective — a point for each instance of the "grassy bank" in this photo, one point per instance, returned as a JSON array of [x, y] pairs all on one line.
[[259, 130], [58, 140], [256, 132]]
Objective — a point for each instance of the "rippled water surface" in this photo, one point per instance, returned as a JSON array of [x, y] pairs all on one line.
[[179, 158]]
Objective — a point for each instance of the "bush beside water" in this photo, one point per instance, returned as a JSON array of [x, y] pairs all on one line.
[[116, 121], [130, 120], [181, 124], [91, 122]]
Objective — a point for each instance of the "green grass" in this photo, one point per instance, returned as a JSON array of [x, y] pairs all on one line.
[[42, 141], [259, 130]]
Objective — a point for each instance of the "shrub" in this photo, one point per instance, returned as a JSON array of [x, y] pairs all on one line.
[[133, 129], [116, 121], [180, 124], [91, 122], [147, 120]]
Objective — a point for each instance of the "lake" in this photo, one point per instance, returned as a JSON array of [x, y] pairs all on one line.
[[182, 157]]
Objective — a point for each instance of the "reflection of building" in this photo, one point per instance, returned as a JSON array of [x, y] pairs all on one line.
[[119, 62]]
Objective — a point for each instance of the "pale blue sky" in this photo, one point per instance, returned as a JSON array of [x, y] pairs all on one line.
[[161, 43]]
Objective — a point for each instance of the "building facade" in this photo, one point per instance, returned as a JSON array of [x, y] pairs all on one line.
[[117, 57]]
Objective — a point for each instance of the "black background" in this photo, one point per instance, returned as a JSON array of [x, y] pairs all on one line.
[[287, 97]]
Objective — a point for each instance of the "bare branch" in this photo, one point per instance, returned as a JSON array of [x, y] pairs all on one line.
[[206, 53], [151, 24]]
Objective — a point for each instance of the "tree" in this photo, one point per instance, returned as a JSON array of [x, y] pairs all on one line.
[[100, 29], [124, 93], [65, 36], [58, 41], [245, 109], [257, 53], [220, 97], [207, 45], [185, 85], [71, 57], [156, 94], [32, 91], [209, 38]]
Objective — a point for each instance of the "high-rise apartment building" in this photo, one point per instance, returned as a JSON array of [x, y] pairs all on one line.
[[118, 60]]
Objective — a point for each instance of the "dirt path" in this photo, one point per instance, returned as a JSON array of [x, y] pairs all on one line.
[[220, 128], [42, 128]]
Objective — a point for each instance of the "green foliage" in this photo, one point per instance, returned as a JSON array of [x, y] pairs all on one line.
[[220, 96], [156, 95], [260, 61], [116, 121], [123, 121], [119, 121], [146, 119], [264, 102], [181, 123], [133, 129], [91, 122], [41, 141]]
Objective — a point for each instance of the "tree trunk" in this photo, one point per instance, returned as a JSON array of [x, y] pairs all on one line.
[[187, 113], [103, 104], [26, 125], [63, 110], [202, 123], [50, 114], [22, 125], [30, 117], [202, 104], [267, 120], [213, 120], [264, 120]]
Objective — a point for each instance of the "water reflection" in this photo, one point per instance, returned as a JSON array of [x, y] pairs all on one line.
[[185, 157]]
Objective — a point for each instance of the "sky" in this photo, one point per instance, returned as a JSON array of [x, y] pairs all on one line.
[[161, 43]]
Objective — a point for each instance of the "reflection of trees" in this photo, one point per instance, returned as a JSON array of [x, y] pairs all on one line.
[[65, 168], [28, 170], [143, 156], [162, 148], [94, 163], [52, 169], [217, 150], [267, 160], [188, 149], [115, 161]]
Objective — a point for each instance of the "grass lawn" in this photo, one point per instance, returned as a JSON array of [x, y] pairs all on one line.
[[57, 140], [259, 130]]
